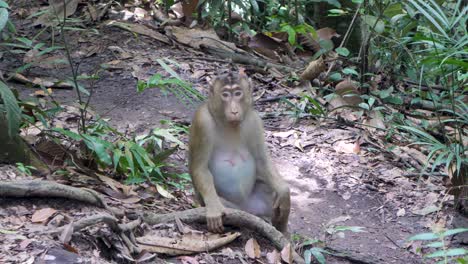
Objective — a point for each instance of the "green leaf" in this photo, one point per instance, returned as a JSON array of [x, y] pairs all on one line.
[[254, 5], [336, 76], [99, 147], [317, 252], [13, 111], [364, 106], [308, 257], [435, 244], [68, 133], [291, 33], [163, 155], [335, 3], [449, 253], [424, 236], [129, 158], [393, 10], [371, 21], [454, 231], [116, 155], [355, 229], [350, 71], [342, 51], [394, 100], [3, 18], [3, 4], [336, 12]]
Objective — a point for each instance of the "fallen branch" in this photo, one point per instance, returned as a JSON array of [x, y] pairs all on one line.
[[244, 59], [231, 217]]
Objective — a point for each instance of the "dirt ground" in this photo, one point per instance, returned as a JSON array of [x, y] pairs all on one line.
[[331, 185]]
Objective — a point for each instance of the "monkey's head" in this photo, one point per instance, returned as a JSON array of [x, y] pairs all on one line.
[[230, 98]]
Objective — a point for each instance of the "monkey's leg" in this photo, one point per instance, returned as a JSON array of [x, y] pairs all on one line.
[[260, 201]]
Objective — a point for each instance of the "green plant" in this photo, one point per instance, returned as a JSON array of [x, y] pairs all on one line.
[[439, 242], [9, 106], [317, 251], [180, 88], [439, 152], [26, 169], [307, 107]]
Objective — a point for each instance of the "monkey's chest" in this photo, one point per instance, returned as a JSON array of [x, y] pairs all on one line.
[[234, 173]]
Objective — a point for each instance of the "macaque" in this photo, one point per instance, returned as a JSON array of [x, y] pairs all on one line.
[[228, 159]]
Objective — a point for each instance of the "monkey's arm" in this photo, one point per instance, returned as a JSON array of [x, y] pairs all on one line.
[[265, 169], [200, 149], [267, 172]]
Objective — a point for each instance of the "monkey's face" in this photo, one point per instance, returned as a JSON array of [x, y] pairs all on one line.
[[232, 99]]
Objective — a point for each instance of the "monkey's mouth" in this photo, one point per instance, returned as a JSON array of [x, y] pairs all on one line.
[[234, 122]]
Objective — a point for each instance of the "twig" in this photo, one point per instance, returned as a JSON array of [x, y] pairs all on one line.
[[277, 98], [418, 174]]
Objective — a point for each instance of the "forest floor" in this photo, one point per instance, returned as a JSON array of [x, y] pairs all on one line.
[[338, 174]]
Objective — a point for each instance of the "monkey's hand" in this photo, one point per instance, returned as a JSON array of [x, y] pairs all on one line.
[[281, 208], [214, 217]]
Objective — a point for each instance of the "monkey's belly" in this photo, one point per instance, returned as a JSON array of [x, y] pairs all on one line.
[[233, 173]]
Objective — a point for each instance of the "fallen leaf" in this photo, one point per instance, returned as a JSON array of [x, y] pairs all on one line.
[[42, 215], [286, 254], [401, 212], [327, 33], [284, 134], [273, 257], [188, 260], [24, 244], [186, 244], [313, 70], [67, 233], [252, 248], [163, 192]]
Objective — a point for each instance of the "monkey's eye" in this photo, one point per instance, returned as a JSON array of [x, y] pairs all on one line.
[[238, 93], [225, 95]]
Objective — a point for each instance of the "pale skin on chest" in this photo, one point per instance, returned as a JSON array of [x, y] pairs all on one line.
[[228, 159]]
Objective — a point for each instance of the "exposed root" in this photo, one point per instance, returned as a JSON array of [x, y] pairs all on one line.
[[39, 188], [232, 217]]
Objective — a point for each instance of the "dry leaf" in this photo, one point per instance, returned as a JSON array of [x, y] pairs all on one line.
[[186, 244], [286, 254], [163, 192], [188, 260], [284, 134], [313, 69], [42, 215], [327, 33], [273, 257], [67, 233], [180, 226], [401, 212], [252, 248]]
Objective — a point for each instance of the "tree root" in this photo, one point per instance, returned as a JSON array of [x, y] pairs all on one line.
[[232, 217], [40, 188]]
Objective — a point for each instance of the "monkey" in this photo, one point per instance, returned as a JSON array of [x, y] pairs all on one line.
[[228, 159]]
